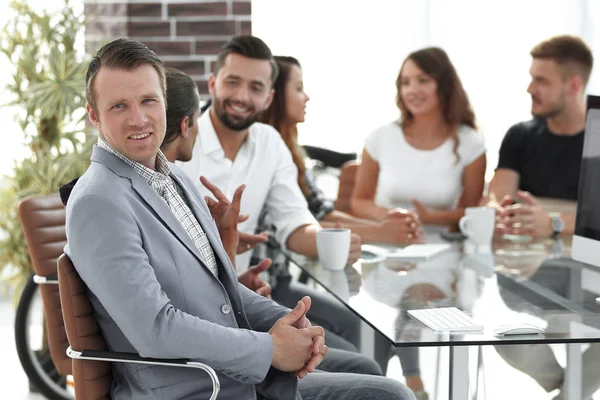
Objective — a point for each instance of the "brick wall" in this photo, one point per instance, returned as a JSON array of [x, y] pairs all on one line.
[[186, 34]]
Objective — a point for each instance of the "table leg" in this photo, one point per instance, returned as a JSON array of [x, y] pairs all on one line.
[[573, 372], [479, 371], [459, 372]]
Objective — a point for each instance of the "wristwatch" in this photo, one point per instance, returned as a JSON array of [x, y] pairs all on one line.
[[558, 224]]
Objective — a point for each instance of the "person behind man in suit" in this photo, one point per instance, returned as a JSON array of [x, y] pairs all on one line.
[[233, 148], [182, 130], [159, 279], [181, 133]]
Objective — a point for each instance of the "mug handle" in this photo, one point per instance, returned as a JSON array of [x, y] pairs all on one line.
[[463, 225]]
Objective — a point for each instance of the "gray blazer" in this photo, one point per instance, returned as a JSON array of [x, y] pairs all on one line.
[[152, 293]]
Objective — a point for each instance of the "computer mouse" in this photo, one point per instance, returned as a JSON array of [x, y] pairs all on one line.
[[518, 329]]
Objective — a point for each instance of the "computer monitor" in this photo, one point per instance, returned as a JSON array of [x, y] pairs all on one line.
[[586, 241]]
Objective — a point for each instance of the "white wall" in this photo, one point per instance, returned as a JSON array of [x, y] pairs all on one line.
[[351, 53]]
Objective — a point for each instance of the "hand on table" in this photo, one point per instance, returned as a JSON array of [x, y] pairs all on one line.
[[500, 211], [525, 218], [402, 226]]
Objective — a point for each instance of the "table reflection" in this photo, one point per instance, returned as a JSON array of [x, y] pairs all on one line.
[[519, 281]]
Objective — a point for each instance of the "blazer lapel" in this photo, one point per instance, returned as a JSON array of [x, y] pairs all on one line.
[[207, 222], [150, 197], [164, 213]]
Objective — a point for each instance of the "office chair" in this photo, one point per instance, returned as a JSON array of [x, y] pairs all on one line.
[[43, 222], [348, 172], [92, 368]]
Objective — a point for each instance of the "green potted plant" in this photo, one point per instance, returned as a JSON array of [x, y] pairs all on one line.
[[48, 90]]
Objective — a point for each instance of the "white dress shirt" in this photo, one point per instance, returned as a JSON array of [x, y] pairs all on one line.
[[264, 164]]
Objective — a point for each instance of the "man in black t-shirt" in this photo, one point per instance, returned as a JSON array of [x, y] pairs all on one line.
[[547, 163], [542, 157]]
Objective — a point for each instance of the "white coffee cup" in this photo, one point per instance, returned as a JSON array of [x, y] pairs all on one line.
[[478, 225], [333, 246]]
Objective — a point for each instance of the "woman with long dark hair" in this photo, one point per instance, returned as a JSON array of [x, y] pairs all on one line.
[[431, 160]]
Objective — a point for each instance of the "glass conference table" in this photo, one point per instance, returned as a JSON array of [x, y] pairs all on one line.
[[519, 281]]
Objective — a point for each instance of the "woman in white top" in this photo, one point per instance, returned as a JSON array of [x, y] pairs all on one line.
[[287, 110], [432, 160]]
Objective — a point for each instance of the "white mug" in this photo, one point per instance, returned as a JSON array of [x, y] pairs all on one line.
[[478, 225], [333, 247]]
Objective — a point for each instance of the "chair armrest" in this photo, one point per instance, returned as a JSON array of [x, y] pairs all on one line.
[[114, 356], [41, 280]]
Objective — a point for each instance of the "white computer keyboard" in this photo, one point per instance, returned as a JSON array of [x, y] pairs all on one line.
[[447, 319]]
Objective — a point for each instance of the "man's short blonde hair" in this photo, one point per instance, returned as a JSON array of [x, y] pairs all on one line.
[[569, 52]]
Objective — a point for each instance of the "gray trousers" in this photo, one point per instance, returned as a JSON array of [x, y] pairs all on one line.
[[539, 362], [342, 329], [340, 386], [408, 356], [325, 311], [338, 360]]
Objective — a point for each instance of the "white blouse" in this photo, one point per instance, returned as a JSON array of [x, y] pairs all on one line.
[[433, 177]]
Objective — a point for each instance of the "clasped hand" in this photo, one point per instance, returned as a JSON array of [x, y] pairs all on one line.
[[298, 347], [402, 226], [524, 218]]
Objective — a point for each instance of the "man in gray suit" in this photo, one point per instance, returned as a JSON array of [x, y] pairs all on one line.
[[159, 279]]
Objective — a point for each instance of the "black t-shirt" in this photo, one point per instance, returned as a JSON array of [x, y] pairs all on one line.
[[548, 164]]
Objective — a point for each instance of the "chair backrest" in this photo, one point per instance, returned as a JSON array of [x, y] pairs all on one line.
[[327, 157], [346, 186], [93, 379], [43, 222]]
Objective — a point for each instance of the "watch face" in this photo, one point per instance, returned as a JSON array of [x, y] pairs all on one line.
[[557, 224]]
